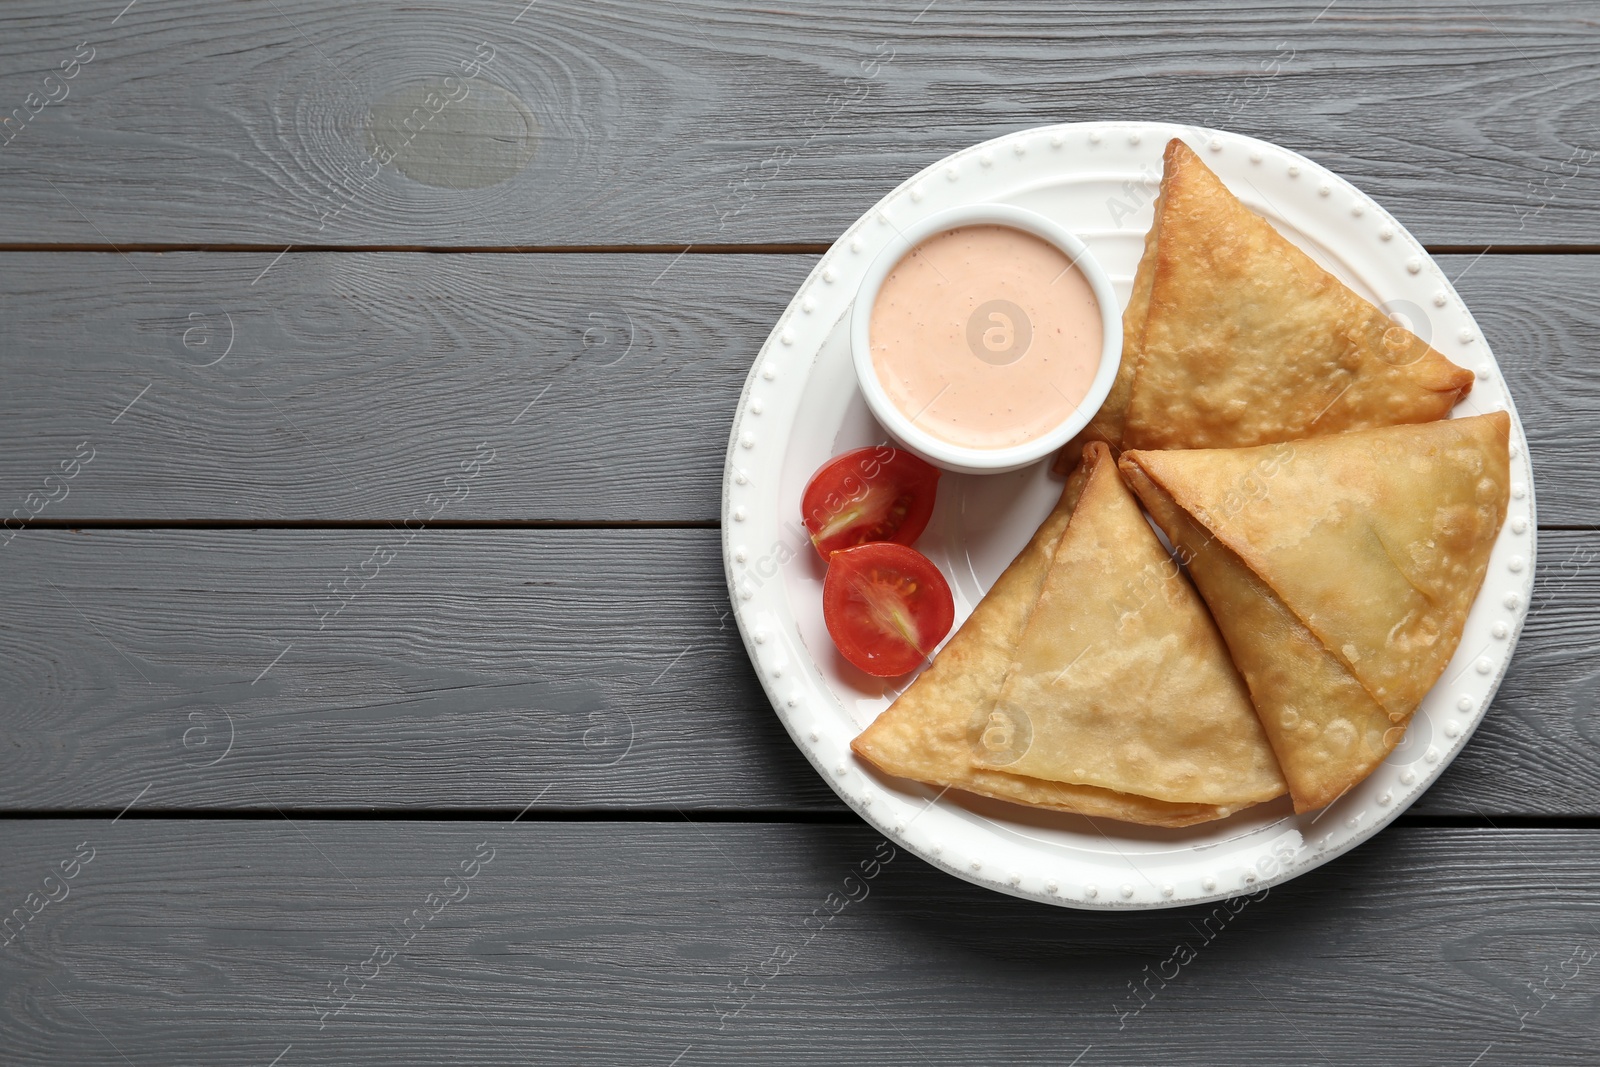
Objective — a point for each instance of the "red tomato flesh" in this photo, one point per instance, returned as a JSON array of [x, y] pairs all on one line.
[[886, 606], [868, 495]]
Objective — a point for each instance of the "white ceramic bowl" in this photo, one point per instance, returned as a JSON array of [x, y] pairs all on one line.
[[936, 450]]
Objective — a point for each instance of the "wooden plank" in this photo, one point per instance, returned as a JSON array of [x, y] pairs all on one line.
[[369, 669], [218, 941], [711, 121], [1544, 345], [356, 383], [484, 670]]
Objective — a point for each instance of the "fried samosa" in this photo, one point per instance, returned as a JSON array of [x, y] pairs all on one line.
[[1234, 337], [1340, 570], [932, 732], [944, 730], [1325, 728], [1121, 680]]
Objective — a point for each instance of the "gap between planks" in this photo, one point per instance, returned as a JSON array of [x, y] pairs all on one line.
[[375, 524], [698, 249], [71, 525], [842, 817], [694, 248]]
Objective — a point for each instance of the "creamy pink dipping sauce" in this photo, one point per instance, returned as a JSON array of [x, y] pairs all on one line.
[[986, 336]]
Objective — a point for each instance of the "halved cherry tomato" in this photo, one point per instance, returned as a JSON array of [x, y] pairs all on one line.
[[870, 494], [887, 607]]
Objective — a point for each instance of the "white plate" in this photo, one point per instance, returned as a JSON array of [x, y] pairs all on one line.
[[801, 406]]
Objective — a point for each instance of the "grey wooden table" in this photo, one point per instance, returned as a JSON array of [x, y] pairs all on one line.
[[370, 693]]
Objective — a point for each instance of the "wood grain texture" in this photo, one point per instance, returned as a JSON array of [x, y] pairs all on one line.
[[210, 941], [356, 383], [576, 669], [710, 121]]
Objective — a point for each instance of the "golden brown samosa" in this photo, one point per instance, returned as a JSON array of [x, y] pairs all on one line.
[[1233, 337], [1327, 731], [1121, 679], [932, 732], [1340, 570]]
